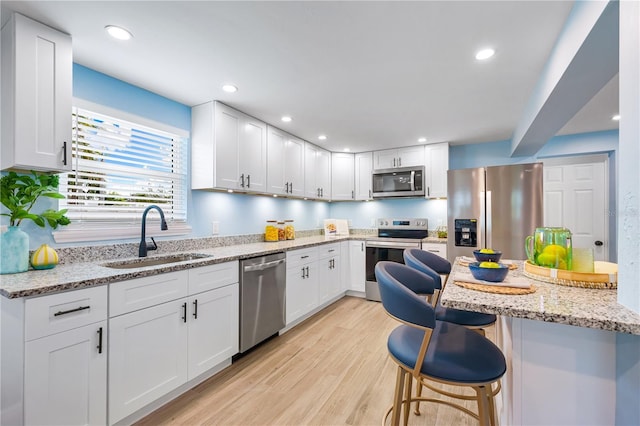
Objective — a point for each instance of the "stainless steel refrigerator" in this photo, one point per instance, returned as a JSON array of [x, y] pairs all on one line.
[[493, 207]]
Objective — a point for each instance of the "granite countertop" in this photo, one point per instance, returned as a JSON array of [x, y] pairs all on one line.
[[591, 308], [87, 274]]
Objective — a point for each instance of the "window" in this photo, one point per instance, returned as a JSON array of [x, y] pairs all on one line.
[[119, 168]]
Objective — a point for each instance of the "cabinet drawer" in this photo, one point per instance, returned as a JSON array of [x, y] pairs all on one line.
[[52, 314], [436, 248], [213, 276], [329, 250], [298, 257], [128, 296]]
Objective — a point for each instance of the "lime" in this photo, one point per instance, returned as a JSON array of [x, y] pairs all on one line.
[[489, 265], [487, 250], [555, 250]]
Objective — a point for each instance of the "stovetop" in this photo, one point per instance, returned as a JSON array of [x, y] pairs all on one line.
[[412, 229]]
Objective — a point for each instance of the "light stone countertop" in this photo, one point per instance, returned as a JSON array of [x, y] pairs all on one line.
[[87, 274], [590, 308]]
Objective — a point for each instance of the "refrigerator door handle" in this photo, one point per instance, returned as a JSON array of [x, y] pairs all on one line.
[[482, 221], [413, 180], [488, 216]]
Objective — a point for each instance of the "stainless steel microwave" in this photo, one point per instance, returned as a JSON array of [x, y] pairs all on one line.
[[398, 182]]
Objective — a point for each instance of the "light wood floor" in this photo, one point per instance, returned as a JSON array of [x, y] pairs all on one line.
[[333, 369]]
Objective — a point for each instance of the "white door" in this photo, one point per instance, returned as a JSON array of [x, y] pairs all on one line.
[[357, 265], [385, 159], [226, 128], [324, 173], [363, 181], [66, 377], [311, 189], [294, 165], [576, 197], [342, 180], [213, 328], [252, 154]]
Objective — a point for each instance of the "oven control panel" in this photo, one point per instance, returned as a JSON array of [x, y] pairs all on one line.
[[402, 223]]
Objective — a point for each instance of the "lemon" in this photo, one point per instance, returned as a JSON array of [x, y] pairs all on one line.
[[550, 260], [487, 250], [489, 265], [555, 250]]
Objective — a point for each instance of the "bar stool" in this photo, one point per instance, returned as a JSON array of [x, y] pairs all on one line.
[[434, 351], [433, 265]]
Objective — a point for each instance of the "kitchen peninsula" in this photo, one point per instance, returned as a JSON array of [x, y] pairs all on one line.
[[560, 345]]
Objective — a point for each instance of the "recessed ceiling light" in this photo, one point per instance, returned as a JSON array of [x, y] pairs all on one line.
[[229, 88], [616, 117], [118, 32], [322, 137], [422, 139], [286, 119], [485, 54]]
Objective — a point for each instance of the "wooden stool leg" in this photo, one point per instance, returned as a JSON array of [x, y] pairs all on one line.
[[492, 407], [406, 406], [418, 395], [483, 405]]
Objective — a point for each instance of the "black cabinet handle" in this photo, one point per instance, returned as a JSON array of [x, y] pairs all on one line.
[[303, 257], [242, 180], [303, 277], [291, 188], [307, 268], [184, 312], [64, 153], [248, 181], [81, 308], [599, 243], [99, 347], [195, 309]]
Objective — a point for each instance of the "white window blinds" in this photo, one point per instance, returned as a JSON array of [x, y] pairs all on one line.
[[120, 168]]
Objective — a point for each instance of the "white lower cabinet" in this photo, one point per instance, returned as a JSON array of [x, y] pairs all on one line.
[[155, 349], [357, 273], [436, 248], [329, 272], [302, 283]]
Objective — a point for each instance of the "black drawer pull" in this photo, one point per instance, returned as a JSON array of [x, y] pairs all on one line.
[[184, 312], [303, 257], [99, 340], [195, 309], [81, 308]]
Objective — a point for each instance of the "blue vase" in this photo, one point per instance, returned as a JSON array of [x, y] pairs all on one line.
[[14, 251]]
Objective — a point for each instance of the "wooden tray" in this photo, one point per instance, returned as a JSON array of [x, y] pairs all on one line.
[[496, 289], [571, 278]]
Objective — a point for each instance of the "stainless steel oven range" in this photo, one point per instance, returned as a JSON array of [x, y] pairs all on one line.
[[394, 235]]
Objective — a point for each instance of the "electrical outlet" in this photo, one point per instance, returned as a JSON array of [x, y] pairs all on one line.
[[215, 227], [373, 222]]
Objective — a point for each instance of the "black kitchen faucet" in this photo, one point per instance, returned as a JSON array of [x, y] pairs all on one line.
[[142, 252]]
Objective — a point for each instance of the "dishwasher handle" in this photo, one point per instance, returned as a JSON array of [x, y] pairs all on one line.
[[263, 266]]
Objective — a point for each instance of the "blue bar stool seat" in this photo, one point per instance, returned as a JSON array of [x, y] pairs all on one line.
[[435, 351]]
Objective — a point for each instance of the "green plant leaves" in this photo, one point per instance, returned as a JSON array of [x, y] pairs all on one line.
[[19, 193]]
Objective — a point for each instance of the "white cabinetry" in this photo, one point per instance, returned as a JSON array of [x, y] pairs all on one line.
[[285, 163], [329, 272], [436, 248], [402, 157], [317, 172], [167, 330], [302, 283], [228, 149], [342, 176], [363, 180], [436, 166], [54, 358], [357, 275], [36, 97]]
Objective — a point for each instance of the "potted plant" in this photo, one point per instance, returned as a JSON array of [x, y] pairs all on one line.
[[19, 193]]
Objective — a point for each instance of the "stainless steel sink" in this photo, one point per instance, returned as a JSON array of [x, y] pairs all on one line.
[[155, 261]]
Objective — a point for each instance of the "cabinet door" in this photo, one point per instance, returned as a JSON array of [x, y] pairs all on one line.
[[411, 156], [36, 105], [311, 188], [329, 278], [436, 248], [213, 328], [294, 166], [324, 173], [227, 124], [66, 377], [357, 265], [252, 154], [276, 161], [437, 164], [342, 176], [363, 168], [385, 159], [147, 356], [301, 290]]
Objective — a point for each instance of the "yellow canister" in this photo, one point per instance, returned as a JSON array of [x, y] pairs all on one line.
[[271, 231]]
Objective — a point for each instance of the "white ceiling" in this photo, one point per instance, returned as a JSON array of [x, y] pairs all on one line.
[[369, 75]]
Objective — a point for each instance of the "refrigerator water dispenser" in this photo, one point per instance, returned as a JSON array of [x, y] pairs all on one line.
[[466, 232]]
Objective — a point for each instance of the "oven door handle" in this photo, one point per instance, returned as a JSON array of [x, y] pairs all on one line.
[[391, 244]]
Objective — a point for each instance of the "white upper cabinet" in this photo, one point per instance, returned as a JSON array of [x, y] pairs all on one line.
[[342, 176], [285, 163], [437, 164], [228, 149], [363, 169], [402, 157], [317, 172], [36, 97]]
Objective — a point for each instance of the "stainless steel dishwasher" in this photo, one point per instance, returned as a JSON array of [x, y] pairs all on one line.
[[262, 298]]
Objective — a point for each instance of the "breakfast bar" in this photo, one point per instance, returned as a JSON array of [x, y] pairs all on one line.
[[560, 345]]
